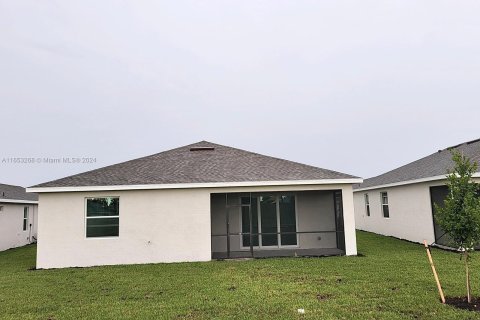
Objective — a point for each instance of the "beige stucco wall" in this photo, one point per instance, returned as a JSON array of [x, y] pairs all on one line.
[[171, 225], [11, 225], [410, 212], [155, 226]]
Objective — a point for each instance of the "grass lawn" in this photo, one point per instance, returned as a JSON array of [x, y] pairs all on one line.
[[392, 280]]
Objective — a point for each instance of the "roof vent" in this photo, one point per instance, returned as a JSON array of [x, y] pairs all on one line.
[[202, 148]]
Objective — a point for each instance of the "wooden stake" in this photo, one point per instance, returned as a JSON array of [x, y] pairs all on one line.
[[469, 291], [440, 291]]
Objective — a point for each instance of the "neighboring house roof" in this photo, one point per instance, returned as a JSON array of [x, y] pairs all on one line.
[[202, 162], [432, 167], [9, 193]]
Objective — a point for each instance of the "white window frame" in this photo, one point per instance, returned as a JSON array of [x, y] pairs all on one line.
[[259, 216], [26, 214], [368, 212], [384, 204], [86, 218]]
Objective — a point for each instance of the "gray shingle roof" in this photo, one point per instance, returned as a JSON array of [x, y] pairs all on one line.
[[181, 165], [433, 165], [16, 193]]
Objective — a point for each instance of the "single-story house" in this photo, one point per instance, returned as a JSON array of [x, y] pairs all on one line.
[[195, 203], [399, 203], [18, 217]]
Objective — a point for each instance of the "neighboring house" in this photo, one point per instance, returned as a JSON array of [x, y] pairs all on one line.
[[195, 203], [18, 217], [399, 203]]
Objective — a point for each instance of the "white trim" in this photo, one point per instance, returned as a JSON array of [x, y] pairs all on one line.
[[25, 219], [195, 185], [277, 214], [17, 201], [383, 205], [296, 225], [402, 183], [259, 218]]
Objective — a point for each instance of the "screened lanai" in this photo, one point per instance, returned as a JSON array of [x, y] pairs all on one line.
[[270, 224]]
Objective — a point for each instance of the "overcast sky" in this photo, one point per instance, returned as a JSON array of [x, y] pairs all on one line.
[[355, 86]]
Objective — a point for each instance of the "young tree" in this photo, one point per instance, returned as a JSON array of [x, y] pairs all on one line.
[[460, 215]]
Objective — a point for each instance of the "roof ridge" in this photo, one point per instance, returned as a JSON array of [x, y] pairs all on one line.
[[460, 144]]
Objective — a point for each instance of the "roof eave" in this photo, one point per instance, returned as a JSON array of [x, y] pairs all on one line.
[[195, 185], [407, 182]]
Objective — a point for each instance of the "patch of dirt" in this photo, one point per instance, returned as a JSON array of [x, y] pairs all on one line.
[[461, 303], [322, 297]]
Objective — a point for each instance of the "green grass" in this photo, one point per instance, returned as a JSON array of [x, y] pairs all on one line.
[[392, 280]]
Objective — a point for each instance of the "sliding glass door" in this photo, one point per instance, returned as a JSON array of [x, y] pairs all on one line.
[[273, 216], [268, 220]]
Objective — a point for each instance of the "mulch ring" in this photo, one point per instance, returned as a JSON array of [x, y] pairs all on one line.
[[461, 303]]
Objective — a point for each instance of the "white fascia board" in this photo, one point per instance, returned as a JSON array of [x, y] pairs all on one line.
[[403, 183], [196, 185], [18, 201]]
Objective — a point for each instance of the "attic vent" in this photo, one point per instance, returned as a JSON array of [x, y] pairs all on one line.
[[202, 149]]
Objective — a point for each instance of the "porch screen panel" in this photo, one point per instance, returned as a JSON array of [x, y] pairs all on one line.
[[338, 203], [246, 222], [268, 217], [288, 221]]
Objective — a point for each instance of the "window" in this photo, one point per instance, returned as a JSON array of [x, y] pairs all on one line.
[[25, 218], [102, 217], [367, 205], [274, 216], [384, 199]]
